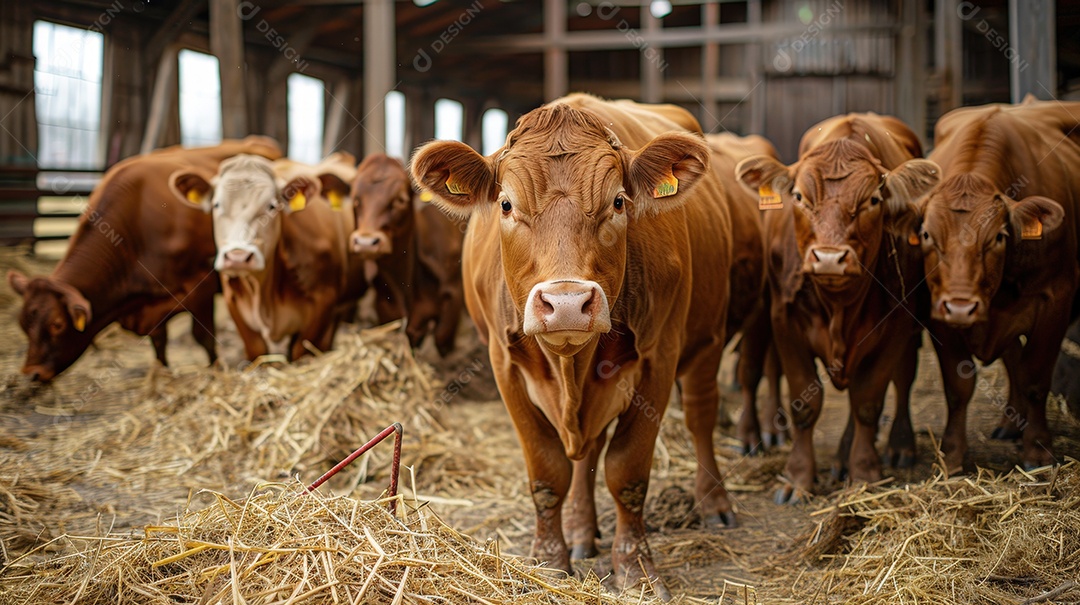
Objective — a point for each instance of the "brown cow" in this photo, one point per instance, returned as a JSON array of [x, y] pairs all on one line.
[[596, 268], [748, 312], [1003, 273], [136, 257], [281, 248], [413, 251], [843, 280]]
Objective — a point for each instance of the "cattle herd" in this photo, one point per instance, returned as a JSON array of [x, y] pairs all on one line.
[[608, 252]]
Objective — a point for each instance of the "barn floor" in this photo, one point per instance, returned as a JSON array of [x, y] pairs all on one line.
[[105, 449]]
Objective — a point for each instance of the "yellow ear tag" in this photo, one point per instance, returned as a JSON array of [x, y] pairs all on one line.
[[298, 201], [913, 238], [193, 197], [80, 323], [427, 196], [455, 188], [768, 199], [335, 199], [1032, 231], [669, 185]]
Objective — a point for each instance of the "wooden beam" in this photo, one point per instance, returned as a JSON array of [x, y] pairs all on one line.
[[227, 43], [162, 99], [710, 69], [380, 63], [949, 58], [300, 42], [177, 21], [909, 86], [556, 73], [336, 110], [1031, 49], [652, 76]]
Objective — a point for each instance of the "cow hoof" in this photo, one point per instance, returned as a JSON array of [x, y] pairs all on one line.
[[789, 494], [1005, 434], [725, 520], [773, 439], [580, 552], [839, 474], [752, 450], [905, 461]]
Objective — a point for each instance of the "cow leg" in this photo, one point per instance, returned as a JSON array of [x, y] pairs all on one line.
[[806, 394], [446, 326], [159, 337], [700, 403], [627, 466], [901, 449], [839, 470], [549, 468], [866, 398], [958, 378], [753, 350], [1032, 371], [202, 320], [321, 326], [774, 412], [580, 524], [389, 302]]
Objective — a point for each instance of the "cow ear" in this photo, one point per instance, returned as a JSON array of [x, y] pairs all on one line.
[[905, 190], [334, 189], [77, 305], [1036, 215], [459, 178], [18, 282], [192, 188], [298, 191], [662, 173], [766, 177]]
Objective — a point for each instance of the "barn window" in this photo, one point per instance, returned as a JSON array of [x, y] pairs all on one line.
[[307, 108], [395, 124], [67, 86], [449, 119], [493, 130], [200, 99]]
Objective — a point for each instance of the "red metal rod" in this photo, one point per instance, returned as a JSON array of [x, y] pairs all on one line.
[[395, 464]]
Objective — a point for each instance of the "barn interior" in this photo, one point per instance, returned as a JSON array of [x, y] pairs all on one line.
[[118, 445]]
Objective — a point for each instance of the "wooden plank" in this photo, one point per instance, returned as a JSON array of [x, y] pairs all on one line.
[[380, 61], [1031, 49], [556, 71], [227, 44], [178, 20], [163, 97]]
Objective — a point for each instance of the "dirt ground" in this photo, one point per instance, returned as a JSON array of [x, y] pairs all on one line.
[[483, 499]]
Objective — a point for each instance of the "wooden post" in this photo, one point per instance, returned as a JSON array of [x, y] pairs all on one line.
[[420, 119], [164, 96], [556, 72], [1031, 50], [335, 117], [227, 43], [652, 57], [949, 58], [710, 68], [379, 70], [909, 87], [758, 83]]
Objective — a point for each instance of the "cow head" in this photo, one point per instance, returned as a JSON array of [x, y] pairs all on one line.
[[247, 201], [563, 193], [55, 317], [382, 200], [845, 203], [969, 229]]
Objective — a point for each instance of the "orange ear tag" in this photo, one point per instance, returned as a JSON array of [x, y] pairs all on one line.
[[913, 238], [669, 185], [193, 197], [768, 199], [427, 196], [335, 199], [298, 201], [1032, 231], [80, 323], [455, 188]]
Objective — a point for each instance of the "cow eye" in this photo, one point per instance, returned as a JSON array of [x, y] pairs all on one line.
[[1000, 239], [507, 206], [798, 196], [926, 235], [874, 201], [620, 201]]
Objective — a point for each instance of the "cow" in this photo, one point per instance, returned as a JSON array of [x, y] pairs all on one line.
[[844, 281], [748, 312], [596, 269], [136, 258], [999, 238], [282, 251], [412, 249]]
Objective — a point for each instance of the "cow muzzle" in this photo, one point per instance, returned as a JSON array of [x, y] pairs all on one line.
[[39, 373], [960, 312], [835, 261], [567, 312], [239, 258], [370, 245]]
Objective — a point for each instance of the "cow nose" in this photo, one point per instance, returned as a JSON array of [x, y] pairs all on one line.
[[238, 256], [34, 377], [366, 244], [567, 305], [959, 311], [831, 260]]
